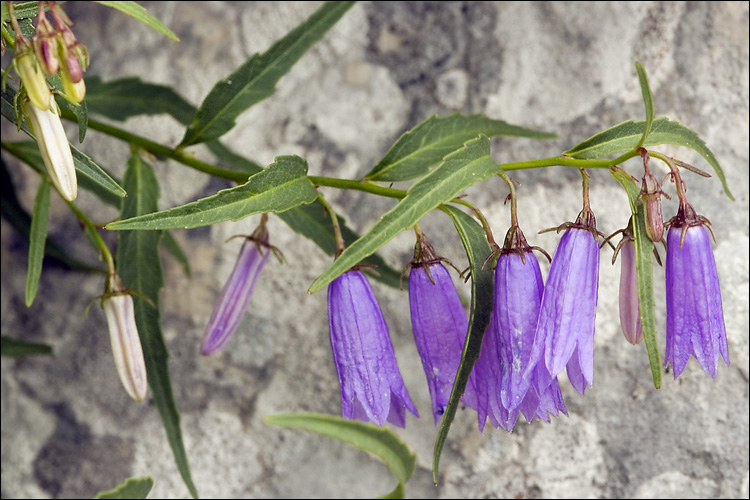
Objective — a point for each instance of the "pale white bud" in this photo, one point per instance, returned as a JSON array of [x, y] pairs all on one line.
[[55, 149], [126, 345]]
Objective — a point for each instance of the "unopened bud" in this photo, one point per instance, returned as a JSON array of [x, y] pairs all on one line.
[[27, 67], [123, 334], [75, 90], [630, 312], [55, 149], [45, 44], [73, 66], [651, 195]]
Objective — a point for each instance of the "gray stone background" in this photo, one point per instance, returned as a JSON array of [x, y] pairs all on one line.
[[70, 430]]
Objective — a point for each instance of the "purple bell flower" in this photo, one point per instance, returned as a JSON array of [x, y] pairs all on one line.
[[483, 389], [439, 323], [518, 295], [565, 330], [695, 318], [371, 383], [235, 297]]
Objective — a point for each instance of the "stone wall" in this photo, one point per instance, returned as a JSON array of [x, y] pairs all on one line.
[[68, 427]]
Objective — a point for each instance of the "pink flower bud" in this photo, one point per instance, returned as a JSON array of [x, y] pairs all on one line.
[[651, 196], [630, 312]]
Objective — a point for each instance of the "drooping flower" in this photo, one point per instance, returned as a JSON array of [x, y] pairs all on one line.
[[30, 71], [371, 383], [235, 297], [518, 295], [565, 331], [123, 335], [695, 317], [483, 389], [55, 149]]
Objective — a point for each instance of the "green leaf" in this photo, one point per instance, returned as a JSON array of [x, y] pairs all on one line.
[[644, 248], [138, 12], [37, 239], [482, 292], [459, 170], [648, 101], [84, 165], [625, 136], [127, 97], [133, 487], [171, 245], [14, 213], [236, 161], [424, 146], [23, 10], [13, 348], [256, 78], [281, 186], [381, 442], [139, 266]]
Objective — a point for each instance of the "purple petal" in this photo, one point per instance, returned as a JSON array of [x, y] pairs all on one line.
[[518, 296], [695, 317], [363, 353], [234, 298], [439, 323], [630, 312], [568, 311]]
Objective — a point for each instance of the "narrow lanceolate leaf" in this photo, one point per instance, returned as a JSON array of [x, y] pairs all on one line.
[[22, 10], [419, 150], [644, 248], [482, 291], [133, 487], [139, 266], [84, 165], [37, 240], [256, 79], [459, 170], [138, 12], [16, 215], [648, 101], [625, 136], [127, 97], [281, 186], [379, 441], [13, 348]]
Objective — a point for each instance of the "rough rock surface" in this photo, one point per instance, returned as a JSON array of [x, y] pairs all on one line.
[[69, 429]]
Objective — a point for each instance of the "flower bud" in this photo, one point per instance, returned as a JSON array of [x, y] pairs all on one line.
[[123, 334], [651, 196], [76, 91], [45, 45], [27, 67], [55, 149], [630, 312]]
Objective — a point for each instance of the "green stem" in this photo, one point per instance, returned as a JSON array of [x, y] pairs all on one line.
[[485, 224], [340, 244], [106, 254], [568, 162]]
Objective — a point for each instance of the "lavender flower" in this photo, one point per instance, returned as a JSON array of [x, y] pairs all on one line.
[[565, 331], [371, 384], [123, 334], [237, 292], [518, 296], [439, 323], [483, 389], [695, 318]]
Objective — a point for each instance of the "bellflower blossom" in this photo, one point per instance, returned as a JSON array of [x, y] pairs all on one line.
[[695, 318], [439, 324], [235, 297], [371, 383], [518, 295], [565, 330], [123, 334], [630, 311]]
